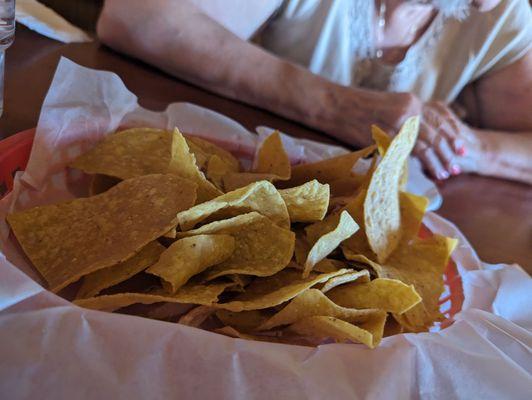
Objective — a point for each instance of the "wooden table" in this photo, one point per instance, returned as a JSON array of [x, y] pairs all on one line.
[[495, 215]]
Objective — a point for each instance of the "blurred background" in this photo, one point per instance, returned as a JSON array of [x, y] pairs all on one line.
[[82, 13]]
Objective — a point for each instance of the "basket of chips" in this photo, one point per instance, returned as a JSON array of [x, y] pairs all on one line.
[[251, 273]]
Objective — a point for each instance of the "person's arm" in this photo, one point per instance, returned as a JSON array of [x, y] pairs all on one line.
[[184, 41]]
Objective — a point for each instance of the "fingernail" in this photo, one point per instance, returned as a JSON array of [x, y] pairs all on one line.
[[455, 170], [442, 175], [461, 151]]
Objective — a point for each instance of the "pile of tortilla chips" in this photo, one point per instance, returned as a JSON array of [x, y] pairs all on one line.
[[175, 230]]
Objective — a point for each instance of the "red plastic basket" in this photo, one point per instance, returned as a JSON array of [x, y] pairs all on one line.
[[15, 151]]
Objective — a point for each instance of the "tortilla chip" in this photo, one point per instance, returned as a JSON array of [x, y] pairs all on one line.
[[236, 180], [341, 331], [308, 202], [313, 302], [97, 281], [324, 266], [216, 170], [197, 316], [359, 276], [261, 247], [347, 186], [184, 165], [210, 149], [245, 321], [359, 258], [239, 282], [332, 231], [413, 209], [272, 158], [383, 141], [200, 156], [276, 289], [128, 154], [261, 196], [384, 294], [190, 256], [188, 294], [358, 243], [69, 240], [101, 183], [326, 171], [382, 217], [422, 265]]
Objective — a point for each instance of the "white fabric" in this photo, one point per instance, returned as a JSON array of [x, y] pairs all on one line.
[[47, 22], [334, 38]]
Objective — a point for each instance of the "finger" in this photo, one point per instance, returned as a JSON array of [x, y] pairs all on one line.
[[447, 156], [430, 161], [450, 127]]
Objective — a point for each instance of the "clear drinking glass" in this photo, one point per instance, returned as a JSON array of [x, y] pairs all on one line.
[[7, 34]]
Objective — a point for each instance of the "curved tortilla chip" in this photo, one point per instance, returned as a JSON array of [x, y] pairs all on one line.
[[261, 196], [308, 202], [360, 276], [383, 141], [188, 294], [384, 294], [245, 321], [327, 171], [216, 170], [97, 281], [261, 247], [276, 289], [272, 157], [101, 183], [66, 241], [341, 331], [236, 180], [343, 226], [190, 256], [313, 302], [382, 216]]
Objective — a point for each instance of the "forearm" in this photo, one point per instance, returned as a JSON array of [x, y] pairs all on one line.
[[181, 40]]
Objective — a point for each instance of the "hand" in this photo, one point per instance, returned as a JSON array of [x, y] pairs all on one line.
[[443, 141]]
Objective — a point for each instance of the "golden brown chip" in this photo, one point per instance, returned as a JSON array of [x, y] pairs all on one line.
[[308, 202], [359, 276], [272, 158], [210, 149], [313, 302], [245, 321], [422, 264], [327, 171], [276, 289], [330, 233], [199, 154], [348, 186], [190, 256], [188, 294], [382, 216], [358, 243], [341, 331], [128, 154], [261, 247], [413, 209], [101, 183], [95, 282], [261, 196], [384, 294], [216, 170], [184, 164], [383, 141], [69, 240]]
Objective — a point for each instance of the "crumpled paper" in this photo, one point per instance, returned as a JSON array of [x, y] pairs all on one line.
[[49, 346]]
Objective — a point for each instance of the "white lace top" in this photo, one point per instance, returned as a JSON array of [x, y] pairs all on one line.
[[335, 39]]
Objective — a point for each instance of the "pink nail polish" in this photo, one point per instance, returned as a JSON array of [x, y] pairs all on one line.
[[455, 170], [461, 151]]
